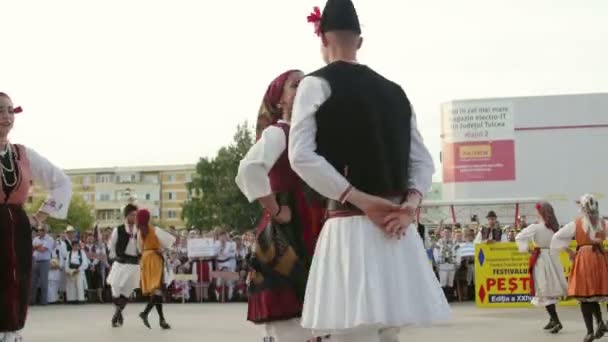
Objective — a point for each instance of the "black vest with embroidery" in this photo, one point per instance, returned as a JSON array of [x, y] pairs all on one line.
[[363, 129], [122, 241]]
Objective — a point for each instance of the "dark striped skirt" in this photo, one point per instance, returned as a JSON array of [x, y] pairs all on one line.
[[15, 266]]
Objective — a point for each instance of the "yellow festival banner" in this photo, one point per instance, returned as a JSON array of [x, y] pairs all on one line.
[[502, 278]]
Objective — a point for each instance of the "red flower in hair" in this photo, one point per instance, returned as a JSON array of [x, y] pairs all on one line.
[[17, 110], [538, 206], [315, 18]]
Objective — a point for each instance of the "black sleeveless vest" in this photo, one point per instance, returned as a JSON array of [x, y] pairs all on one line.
[[364, 128]]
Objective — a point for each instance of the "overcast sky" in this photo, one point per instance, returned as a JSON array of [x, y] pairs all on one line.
[[144, 82]]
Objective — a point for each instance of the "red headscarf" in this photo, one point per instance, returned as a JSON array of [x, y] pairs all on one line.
[[143, 221], [270, 112], [16, 110], [545, 210]]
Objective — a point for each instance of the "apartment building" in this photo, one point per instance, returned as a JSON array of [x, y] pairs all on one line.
[[160, 189]]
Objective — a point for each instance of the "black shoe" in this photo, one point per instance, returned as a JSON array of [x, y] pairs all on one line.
[[549, 325], [115, 323], [164, 325], [588, 338], [556, 328], [601, 331], [144, 318]]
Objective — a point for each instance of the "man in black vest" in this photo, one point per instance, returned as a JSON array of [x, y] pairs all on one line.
[[124, 275], [354, 140]]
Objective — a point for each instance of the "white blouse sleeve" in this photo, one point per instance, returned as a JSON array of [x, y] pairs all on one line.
[[252, 177], [563, 237], [421, 168], [166, 240], [315, 170], [524, 237], [55, 181], [113, 240]]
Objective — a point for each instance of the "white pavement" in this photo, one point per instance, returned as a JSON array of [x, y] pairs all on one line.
[[225, 322]]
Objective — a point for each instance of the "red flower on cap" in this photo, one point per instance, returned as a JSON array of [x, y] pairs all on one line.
[[315, 18]]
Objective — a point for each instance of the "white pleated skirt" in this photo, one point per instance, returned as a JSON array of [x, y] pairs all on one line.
[[359, 278], [123, 279], [549, 281]]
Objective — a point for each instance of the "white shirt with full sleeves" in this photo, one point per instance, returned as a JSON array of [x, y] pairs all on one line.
[[316, 170], [252, 177], [53, 179]]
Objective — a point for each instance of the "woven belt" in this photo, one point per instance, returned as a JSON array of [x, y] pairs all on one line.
[[337, 209]]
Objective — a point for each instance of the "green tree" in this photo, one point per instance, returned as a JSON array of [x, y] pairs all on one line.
[[79, 215], [216, 200]]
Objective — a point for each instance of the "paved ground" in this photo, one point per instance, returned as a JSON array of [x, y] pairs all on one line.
[[216, 322]]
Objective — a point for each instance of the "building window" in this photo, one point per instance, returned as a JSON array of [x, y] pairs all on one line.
[[103, 197], [170, 195], [105, 178], [148, 197], [171, 177], [171, 214], [151, 179], [106, 215]]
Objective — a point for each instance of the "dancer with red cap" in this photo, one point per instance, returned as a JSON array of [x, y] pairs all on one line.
[[547, 281], [354, 140], [285, 237], [155, 272], [20, 167]]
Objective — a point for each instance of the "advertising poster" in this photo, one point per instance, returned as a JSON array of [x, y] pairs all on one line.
[[478, 142], [502, 278]]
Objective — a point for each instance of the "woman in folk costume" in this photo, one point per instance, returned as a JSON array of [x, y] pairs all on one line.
[[75, 267], [588, 281], [154, 270], [56, 274], [281, 256], [547, 281], [21, 166]]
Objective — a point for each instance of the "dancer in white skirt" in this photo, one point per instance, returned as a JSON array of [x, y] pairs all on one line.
[[124, 275], [354, 140], [548, 283]]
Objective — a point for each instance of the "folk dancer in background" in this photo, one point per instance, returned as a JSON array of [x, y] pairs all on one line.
[[155, 272], [76, 281], [124, 275], [547, 281], [226, 262], [588, 282], [20, 167], [354, 140], [281, 257], [445, 253]]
